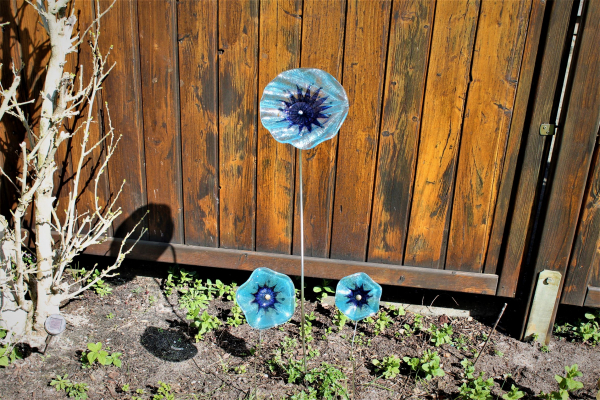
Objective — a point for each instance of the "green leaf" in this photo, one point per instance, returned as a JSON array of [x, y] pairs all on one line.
[[590, 316], [95, 347]]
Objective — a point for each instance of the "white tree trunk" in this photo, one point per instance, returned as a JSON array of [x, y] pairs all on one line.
[[47, 302]]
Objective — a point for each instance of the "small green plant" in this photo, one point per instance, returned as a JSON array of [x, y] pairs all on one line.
[[396, 311], [151, 300], [461, 342], [389, 367], [193, 298], [8, 353], [566, 384], [382, 322], [76, 390], [308, 326], [428, 365], [324, 290], [339, 319], [236, 316], [240, 369], [416, 326], [230, 292], [204, 323], [96, 354], [125, 388], [140, 392], [544, 349], [499, 353], [477, 389], [100, 287], [513, 394], [163, 392], [441, 335], [110, 315], [285, 362], [326, 381]]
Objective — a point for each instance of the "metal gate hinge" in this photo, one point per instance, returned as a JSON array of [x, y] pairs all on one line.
[[547, 129]]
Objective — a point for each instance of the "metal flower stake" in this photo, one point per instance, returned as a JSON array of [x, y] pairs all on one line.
[[267, 299], [303, 107], [357, 296]]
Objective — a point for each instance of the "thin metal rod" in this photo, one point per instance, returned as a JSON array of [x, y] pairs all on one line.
[[302, 322], [353, 363], [490, 335]]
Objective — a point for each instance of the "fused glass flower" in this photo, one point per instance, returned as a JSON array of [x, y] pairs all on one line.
[[303, 107], [357, 296], [267, 298]]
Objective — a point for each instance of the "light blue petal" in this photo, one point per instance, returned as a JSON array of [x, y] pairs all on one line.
[[286, 84], [345, 288], [280, 312]]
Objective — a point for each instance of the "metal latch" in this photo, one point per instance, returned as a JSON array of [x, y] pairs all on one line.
[[547, 129]]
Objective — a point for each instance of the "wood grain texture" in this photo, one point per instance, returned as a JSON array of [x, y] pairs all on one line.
[[593, 297], [158, 57], [35, 53], [408, 53], [238, 111], [123, 94], [82, 63], [524, 90], [11, 130], [527, 183], [323, 25], [585, 258], [499, 45], [575, 146], [447, 82], [364, 67], [280, 34], [385, 274], [198, 80]]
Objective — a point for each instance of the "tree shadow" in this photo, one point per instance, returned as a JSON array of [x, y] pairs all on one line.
[[236, 346], [168, 344], [159, 215]]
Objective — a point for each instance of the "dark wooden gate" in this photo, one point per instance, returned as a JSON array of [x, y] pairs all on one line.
[[432, 182]]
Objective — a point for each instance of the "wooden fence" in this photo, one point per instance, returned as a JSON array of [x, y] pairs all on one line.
[[434, 178]]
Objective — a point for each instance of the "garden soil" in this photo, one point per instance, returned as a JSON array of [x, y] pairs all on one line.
[[158, 345]]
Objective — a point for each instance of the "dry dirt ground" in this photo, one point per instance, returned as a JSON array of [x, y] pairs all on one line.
[[138, 320]]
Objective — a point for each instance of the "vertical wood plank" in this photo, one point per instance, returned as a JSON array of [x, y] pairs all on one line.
[[507, 180], [447, 81], [198, 77], [82, 63], [322, 47], [238, 110], [35, 53], [364, 69], [585, 257], [161, 125], [408, 54], [575, 147], [527, 184], [280, 30], [497, 58], [123, 93], [11, 131]]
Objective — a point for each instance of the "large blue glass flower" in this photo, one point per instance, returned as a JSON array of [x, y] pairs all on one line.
[[303, 107], [267, 298], [357, 296]]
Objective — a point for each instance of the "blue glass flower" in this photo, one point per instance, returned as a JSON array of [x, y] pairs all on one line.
[[357, 296], [267, 298], [303, 107]]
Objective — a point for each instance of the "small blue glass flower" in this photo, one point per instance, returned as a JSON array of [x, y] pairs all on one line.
[[357, 296], [303, 107], [267, 298]]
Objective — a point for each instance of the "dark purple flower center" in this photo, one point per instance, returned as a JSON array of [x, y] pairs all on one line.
[[305, 110], [266, 297], [358, 296]]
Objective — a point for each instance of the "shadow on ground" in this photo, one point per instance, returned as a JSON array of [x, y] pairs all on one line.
[[168, 344]]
